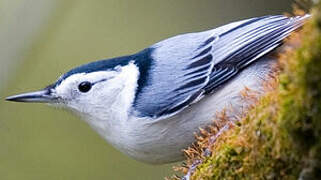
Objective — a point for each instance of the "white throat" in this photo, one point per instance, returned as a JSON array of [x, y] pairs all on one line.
[[110, 122]]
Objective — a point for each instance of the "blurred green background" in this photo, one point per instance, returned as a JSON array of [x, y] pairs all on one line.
[[41, 39]]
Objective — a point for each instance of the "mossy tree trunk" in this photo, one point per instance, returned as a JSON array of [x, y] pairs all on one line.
[[280, 137]]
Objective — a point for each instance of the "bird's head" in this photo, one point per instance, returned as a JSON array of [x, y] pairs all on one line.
[[93, 89]]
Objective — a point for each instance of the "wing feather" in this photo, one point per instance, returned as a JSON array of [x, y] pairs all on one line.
[[187, 67]]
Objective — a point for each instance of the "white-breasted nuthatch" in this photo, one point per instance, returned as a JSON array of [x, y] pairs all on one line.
[[149, 104]]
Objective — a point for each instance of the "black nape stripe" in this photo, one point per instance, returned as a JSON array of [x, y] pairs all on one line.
[[144, 62], [102, 65]]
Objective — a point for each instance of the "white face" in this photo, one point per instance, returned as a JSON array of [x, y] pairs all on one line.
[[89, 92], [99, 95]]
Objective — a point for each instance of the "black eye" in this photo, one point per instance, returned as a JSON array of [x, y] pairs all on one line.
[[84, 86]]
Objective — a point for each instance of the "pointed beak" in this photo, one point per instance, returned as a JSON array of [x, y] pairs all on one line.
[[42, 96]]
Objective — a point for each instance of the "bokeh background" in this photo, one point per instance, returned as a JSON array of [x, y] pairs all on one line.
[[41, 39]]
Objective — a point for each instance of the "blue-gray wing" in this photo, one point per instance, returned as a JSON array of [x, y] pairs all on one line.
[[185, 68]]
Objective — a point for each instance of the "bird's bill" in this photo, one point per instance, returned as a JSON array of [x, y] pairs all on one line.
[[42, 96]]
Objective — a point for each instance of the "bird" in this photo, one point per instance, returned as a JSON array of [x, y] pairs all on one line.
[[149, 104]]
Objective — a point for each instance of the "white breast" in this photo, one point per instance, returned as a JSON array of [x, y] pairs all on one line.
[[162, 141]]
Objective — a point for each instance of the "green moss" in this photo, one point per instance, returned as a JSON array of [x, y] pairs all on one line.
[[280, 138], [253, 150], [301, 113]]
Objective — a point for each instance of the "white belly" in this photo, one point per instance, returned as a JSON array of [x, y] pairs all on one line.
[[162, 141]]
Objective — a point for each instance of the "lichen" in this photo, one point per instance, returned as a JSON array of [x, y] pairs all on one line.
[[280, 136]]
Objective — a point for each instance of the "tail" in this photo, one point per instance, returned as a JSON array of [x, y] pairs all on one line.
[[299, 21]]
